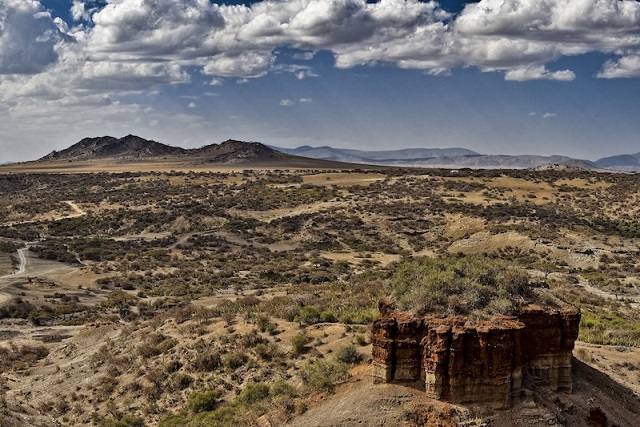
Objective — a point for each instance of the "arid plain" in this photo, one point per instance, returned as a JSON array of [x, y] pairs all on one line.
[[167, 293]]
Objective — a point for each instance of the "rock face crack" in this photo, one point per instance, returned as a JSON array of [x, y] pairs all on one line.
[[482, 362]]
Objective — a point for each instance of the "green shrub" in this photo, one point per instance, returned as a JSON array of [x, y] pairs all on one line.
[[234, 360], [308, 315], [348, 354], [459, 285], [254, 393], [203, 401], [361, 340], [322, 375], [299, 343], [176, 420], [328, 316]]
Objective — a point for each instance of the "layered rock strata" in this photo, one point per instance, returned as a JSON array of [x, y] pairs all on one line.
[[482, 362]]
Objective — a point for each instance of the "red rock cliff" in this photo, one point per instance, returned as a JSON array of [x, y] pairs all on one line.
[[476, 363]]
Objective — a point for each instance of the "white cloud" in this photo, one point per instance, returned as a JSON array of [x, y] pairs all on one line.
[[216, 82], [192, 105], [286, 103], [626, 66], [244, 64], [152, 29], [538, 73], [303, 74], [136, 45], [29, 37], [548, 115], [305, 56], [305, 100]]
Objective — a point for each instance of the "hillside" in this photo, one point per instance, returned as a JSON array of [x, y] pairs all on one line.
[[627, 162]]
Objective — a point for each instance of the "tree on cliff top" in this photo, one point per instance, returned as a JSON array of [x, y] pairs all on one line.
[[460, 286]]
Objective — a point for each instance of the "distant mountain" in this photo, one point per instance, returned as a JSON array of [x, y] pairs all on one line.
[[232, 151], [130, 147], [501, 162], [436, 157], [625, 162], [374, 157], [134, 148]]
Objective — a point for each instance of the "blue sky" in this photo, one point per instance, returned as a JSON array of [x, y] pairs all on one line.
[[495, 76]]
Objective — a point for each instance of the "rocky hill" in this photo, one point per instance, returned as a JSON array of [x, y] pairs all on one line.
[[233, 151], [130, 147]]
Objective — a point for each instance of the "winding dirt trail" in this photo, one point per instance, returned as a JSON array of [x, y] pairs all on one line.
[[78, 210], [25, 266]]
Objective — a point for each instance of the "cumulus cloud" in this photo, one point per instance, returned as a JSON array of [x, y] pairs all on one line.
[[29, 37], [286, 103], [538, 73], [302, 100], [156, 28], [548, 115], [521, 35], [244, 64], [134, 45], [626, 66]]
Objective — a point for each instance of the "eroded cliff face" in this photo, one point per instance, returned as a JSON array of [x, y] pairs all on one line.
[[482, 362]]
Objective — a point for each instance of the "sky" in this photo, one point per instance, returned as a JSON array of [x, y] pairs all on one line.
[[495, 76]]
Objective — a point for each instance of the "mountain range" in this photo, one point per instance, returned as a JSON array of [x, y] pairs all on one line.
[[134, 148], [437, 157]]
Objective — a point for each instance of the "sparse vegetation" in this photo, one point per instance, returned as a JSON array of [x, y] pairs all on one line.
[[227, 295]]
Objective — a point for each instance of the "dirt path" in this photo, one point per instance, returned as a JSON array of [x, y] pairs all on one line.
[[23, 260], [29, 267], [78, 210]]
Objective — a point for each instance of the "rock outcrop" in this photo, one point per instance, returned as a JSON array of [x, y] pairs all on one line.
[[482, 362]]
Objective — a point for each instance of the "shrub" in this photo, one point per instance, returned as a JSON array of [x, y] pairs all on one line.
[[308, 315], [299, 343], [254, 393], [361, 340], [322, 375], [348, 354], [176, 420], [203, 401], [234, 360], [459, 285], [206, 362]]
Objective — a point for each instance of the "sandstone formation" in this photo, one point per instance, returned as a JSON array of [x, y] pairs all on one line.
[[482, 362]]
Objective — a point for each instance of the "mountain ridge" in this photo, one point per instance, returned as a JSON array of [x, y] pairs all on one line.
[[627, 162], [455, 157], [231, 151]]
